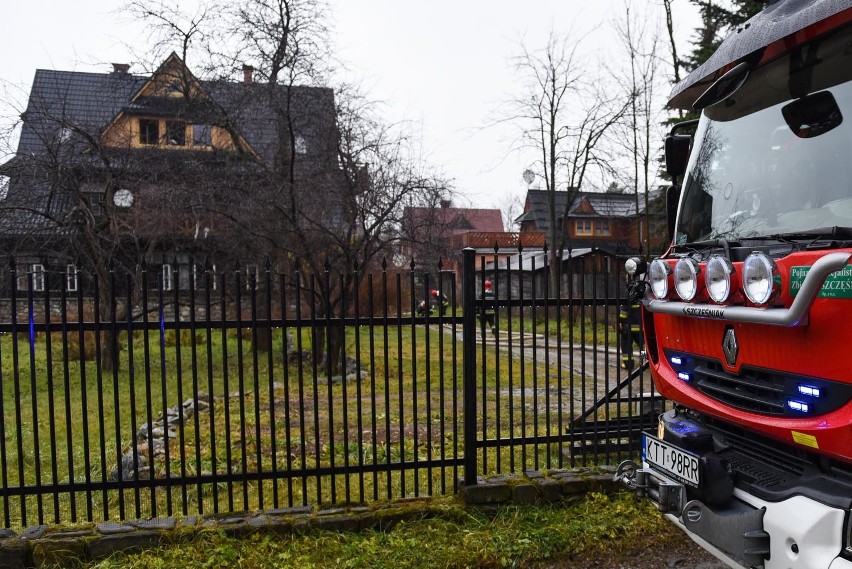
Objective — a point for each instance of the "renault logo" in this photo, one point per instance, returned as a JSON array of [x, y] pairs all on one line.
[[730, 346]]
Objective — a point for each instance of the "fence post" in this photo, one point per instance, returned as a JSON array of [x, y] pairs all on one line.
[[469, 362]]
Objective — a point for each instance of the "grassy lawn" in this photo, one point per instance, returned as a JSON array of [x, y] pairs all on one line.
[[590, 326], [451, 537], [269, 412]]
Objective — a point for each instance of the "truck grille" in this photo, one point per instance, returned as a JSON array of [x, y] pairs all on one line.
[[759, 390], [755, 449], [774, 470]]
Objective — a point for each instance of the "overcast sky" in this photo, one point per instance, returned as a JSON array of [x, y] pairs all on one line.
[[444, 64]]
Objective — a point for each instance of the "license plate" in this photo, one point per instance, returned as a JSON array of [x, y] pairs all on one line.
[[681, 465]]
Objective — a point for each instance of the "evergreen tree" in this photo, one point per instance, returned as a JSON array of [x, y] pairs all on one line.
[[717, 21]]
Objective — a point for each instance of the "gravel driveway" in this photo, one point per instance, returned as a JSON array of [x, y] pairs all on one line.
[[677, 552]]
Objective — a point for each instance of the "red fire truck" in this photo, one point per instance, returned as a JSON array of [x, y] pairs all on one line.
[[748, 316]]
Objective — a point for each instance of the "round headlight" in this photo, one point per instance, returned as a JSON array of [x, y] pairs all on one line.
[[634, 265], [686, 278], [758, 277], [717, 278], [658, 276]]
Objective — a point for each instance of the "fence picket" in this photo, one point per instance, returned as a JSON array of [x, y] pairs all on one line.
[[428, 401]]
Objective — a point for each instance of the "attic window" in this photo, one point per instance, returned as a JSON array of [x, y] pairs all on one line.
[[65, 134], [149, 131], [202, 135], [584, 227], [176, 133], [602, 227], [4, 187]]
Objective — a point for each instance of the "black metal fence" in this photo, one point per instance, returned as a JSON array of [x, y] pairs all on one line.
[[251, 390]]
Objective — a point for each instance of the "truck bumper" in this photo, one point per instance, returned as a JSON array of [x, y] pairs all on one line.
[[795, 533]]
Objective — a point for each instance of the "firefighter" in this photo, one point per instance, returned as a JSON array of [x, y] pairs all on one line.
[[487, 310], [629, 332], [439, 303], [423, 308]]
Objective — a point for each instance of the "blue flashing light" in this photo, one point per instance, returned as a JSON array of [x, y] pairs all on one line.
[[798, 406], [810, 391], [683, 376], [677, 360]]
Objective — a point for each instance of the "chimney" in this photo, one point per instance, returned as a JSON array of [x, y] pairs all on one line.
[[248, 72], [121, 68], [445, 204]]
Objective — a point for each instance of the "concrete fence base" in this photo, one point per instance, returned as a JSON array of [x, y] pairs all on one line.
[[48, 546]]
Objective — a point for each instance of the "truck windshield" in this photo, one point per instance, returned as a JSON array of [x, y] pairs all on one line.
[[752, 174]]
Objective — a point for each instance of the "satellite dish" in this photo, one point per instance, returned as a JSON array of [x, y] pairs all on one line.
[[529, 176], [122, 198]]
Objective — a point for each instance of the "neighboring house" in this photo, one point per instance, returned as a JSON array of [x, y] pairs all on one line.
[[585, 273], [154, 169], [494, 246], [595, 219], [437, 234]]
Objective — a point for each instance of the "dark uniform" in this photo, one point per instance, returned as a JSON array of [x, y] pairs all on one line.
[[488, 310], [629, 332], [440, 304]]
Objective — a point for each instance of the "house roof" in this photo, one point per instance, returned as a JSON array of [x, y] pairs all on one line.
[[532, 261], [89, 102], [455, 220], [583, 204], [68, 112]]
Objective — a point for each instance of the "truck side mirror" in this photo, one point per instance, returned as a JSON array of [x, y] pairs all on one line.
[[677, 154], [672, 198]]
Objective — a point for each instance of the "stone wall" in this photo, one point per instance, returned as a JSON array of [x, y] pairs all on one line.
[[47, 546]]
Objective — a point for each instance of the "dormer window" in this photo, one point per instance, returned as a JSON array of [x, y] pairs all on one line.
[[584, 227], [202, 135], [149, 131], [166, 133], [176, 133]]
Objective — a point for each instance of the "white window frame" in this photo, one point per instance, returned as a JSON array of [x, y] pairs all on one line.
[[587, 227], [199, 277], [71, 281], [252, 270], [168, 277], [39, 277]]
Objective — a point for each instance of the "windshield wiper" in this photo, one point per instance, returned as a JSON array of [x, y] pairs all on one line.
[[835, 232], [815, 236], [717, 243]]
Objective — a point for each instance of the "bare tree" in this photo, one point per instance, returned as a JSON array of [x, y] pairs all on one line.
[[676, 63], [640, 80], [332, 190], [511, 206], [563, 114]]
